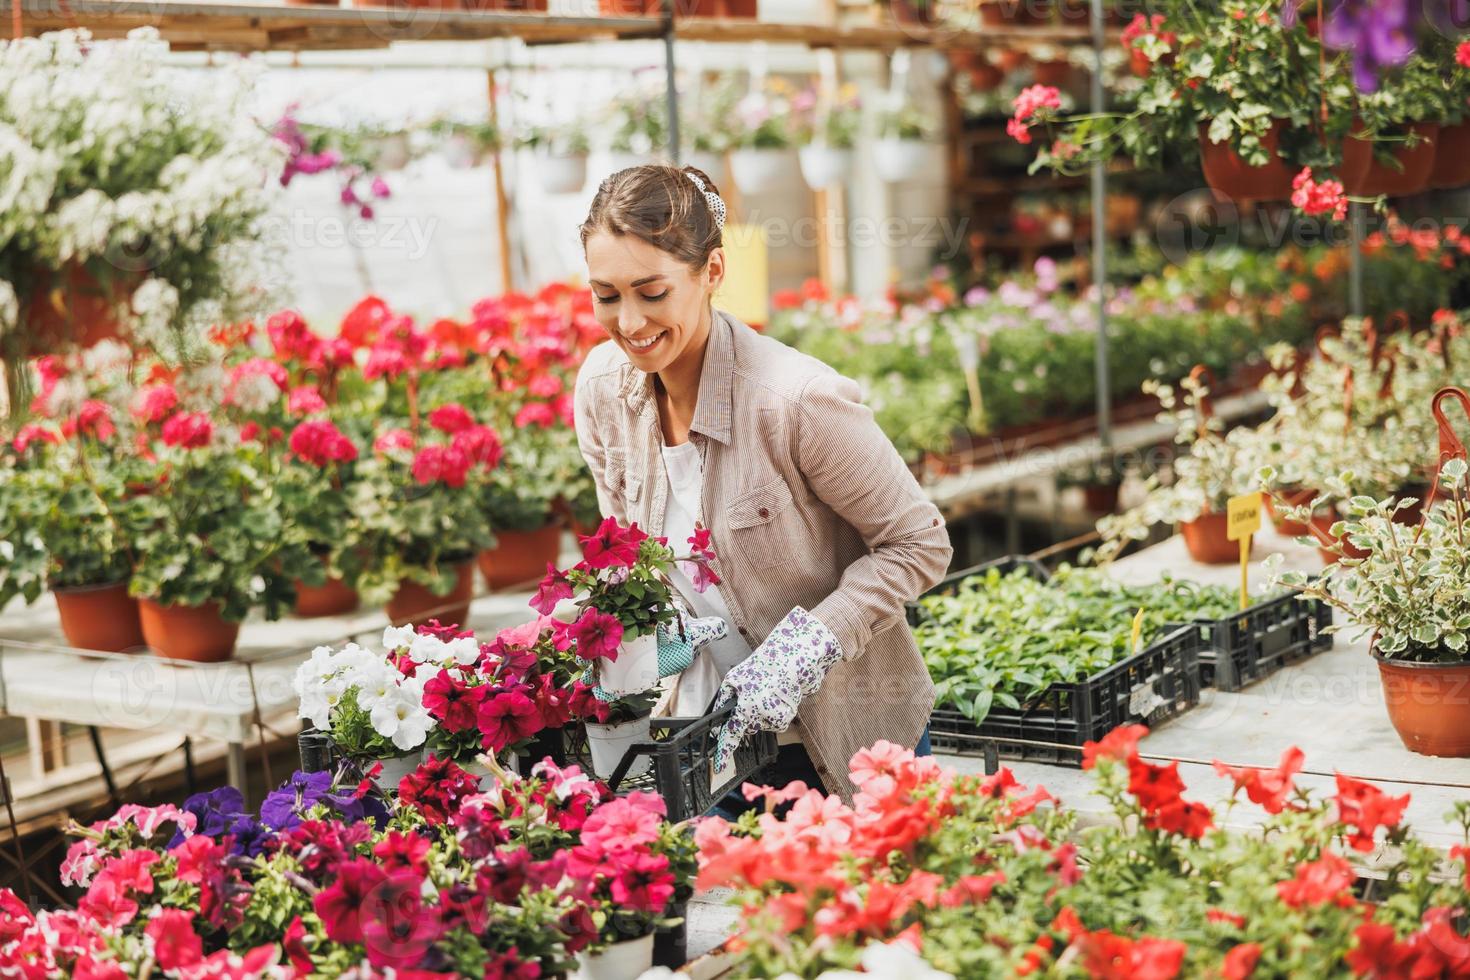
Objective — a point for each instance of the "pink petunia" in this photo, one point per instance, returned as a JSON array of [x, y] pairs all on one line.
[[597, 635]]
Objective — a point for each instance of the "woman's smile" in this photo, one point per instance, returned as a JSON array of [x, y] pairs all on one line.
[[644, 344]]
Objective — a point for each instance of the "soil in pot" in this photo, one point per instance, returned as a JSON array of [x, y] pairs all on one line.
[[100, 617], [1428, 704], [197, 633], [415, 604], [520, 556], [1412, 174], [1451, 157], [1228, 174], [1205, 537]]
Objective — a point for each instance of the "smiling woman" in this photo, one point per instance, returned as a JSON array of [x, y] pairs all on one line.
[[691, 420]]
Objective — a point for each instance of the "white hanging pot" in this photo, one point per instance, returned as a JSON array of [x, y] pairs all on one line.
[[620, 961], [561, 175], [394, 769], [635, 670], [897, 160], [391, 152], [711, 163], [609, 743], [461, 153], [758, 171], [825, 166]]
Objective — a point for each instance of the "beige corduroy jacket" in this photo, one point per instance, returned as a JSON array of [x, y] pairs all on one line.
[[809, 505]]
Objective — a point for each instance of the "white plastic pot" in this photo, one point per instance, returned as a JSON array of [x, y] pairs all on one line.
[[635, 670], [620, 961], [758, 171], [610, 742], [561, 175], [391, 152], [897, 160], [824, 166], [461, 153], [395, 769], [511, 763]]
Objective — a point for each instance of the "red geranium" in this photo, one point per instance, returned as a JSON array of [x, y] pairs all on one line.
[[1365, 807], [32, 433], [451, 418], [535, 413], [305, 400], [319, 442], [479, 444], [1241, 961], [441, 464], [393, 439], [93, 419], [154, 403], [188, 430]]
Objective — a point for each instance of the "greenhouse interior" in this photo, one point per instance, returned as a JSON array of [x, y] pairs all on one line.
[[801, 489]]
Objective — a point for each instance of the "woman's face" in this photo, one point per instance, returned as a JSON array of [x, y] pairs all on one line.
[[650, 302]]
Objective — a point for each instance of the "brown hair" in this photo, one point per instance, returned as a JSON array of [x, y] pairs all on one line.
[[660, 205]]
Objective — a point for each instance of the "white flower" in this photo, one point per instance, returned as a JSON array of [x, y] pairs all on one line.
[[398, 637], [107, 358], [375, 686], [465, 650], [403, 719], [426, 649], [389, 710], [316, 708]]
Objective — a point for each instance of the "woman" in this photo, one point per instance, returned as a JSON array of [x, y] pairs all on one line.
[[691, 418]]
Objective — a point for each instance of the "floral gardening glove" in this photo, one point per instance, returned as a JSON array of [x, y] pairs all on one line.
[[771, 683], [676, 653]]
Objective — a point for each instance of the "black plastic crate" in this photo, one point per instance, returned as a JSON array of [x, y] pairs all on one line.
[[950, 584], [1253, 644], [1152, 686]]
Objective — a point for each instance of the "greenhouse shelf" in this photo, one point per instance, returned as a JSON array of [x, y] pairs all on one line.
[[682, 754], [1257, 642]]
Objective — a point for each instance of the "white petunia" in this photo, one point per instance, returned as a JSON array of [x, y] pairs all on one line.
[[426, 649], [398, 637], [413, 729], [465, 650], [389, 711]]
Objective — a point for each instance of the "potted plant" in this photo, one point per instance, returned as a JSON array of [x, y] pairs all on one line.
[[1402, 117], [76, 268], [826, 131], [521, 495], [1409, 587], [315, 479], [760, 155], [1452, 146], [903, 149], [561, 155], [372, 704], [465, 144], [66, 517], [911, 13], [639, 128]]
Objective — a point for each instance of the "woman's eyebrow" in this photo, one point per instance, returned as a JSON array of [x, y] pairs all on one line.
[[648, 279]]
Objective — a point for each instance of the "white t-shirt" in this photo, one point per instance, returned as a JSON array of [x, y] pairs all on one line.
[[694, 690]]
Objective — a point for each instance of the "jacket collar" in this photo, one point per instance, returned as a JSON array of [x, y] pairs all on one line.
[[716, 383]]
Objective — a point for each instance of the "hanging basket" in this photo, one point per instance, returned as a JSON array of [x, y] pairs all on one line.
[[1451, 157], [759, 171], [1230, 176], [824, 167], [561, 174], [898, 160], [1412, 174]]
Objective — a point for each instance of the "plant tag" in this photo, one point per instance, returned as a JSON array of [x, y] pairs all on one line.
[[1243, 516], [1137, 631], [1143, 700], [719, 777]]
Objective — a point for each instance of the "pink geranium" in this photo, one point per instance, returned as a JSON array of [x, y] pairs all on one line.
[[188, 430], [441, 464], [535, 413], [393, 439], [319, 442], [1031, 106], [32, 433], [480, 444], [451, 418], [305, 400], [154, 403], [1313, 197]]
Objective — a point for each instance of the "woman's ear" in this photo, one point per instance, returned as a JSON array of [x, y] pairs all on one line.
[[716, 269]]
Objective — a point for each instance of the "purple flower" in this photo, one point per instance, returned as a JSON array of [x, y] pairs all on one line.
[[283, 808], [1377, 32]]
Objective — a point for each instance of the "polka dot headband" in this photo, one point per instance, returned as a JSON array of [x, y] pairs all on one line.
[[716, 205]]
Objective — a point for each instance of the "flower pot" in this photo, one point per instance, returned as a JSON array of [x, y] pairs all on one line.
[[671, 943], [1101, 498], [520, 556], [415, 604], [608, 743], [1054, 73], [99, 617], [986, 77], [758, 171], [824, 166], [1000, 13], [1416, 165], [1357, 157], [1429, 705], [333, 598], [519, 6], [1322, 530], [897, 159], [71, 307], [635, 670], [391, 152], [1205, 538], [394, 769], [1297, 497], [197, 633], [1451, 157], [620, 961], [461, 152], [561, 174], [1229, 175], [313, 3]]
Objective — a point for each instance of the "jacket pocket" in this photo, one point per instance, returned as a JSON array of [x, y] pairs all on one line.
[[621, 482], [764, 524]]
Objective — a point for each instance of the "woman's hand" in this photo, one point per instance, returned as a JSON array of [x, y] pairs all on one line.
[[770, 684]]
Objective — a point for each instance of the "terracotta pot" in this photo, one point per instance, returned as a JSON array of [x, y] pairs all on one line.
[[1429, 705], [966, 60], [1101, 498], [1451, 156], [1205, 538], [313, 3], [520, 556], [1011, 59], [1054, 73], [415, 604], [1229, 175], [197, 633], [99, 617], [986, 78], [682, 8], [1322, 530], [71, 307], [1417, 163], [333, 598], [997, 14], [1291, 498], [1357, 157]]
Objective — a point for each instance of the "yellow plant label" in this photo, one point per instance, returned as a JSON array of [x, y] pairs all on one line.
[[1243, 516], [1137, 631]]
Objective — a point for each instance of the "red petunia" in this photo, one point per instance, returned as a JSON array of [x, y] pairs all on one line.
[[1181, 817], [507, 718], [340, 904], [1378, 952], [611, 545], [553, 589], [1121, 743], [1365, 807], [1318, 882], [398, 851], [596, 635], [188, 430], [294, 945], [453, 703], [641, 881], [175, 943], [1154, 786], [1268, 788]]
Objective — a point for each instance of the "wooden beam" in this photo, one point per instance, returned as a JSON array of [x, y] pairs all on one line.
[[502, 203]]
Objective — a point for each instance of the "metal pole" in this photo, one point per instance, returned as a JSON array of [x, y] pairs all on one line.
[[1355, 259], [671, 91], [1100, 245]]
